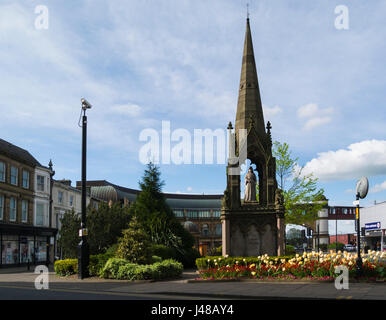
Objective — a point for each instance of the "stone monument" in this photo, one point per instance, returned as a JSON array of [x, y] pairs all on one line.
[[251, 227]]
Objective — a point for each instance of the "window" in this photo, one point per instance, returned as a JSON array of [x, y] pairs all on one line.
[[24, 211], [25, 179], [60, 196], [1, 207], [218, 229], [192, 214], [40, 183], [205, 230], [2, 171], [39, 214], [14, 173], [179, 213], [216, 213], [71, 201], [204, 214], [12, 209], [345, 210]]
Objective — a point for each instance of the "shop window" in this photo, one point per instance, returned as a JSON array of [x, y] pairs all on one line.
[[216, 213], [204, 214], [10, 250], [14, 174], [12, 209], [179, 213]]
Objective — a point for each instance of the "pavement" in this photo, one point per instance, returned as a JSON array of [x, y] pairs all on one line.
[[185, 288]]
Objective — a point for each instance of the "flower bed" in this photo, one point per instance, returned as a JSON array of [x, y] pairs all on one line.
[[313, 265]]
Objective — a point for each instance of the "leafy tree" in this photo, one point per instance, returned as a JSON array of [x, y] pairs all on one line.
[[68, 235], [155, 214], [135, 244], [105, 225], [302, 197]]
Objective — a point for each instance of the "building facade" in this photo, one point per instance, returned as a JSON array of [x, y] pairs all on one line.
[[202, 212], [373, 220], [26, 235]]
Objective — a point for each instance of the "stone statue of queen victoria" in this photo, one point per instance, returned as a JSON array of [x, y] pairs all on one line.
[[250, 186]]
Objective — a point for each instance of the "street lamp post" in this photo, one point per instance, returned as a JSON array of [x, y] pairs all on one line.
[[83, 247], [359, 262]]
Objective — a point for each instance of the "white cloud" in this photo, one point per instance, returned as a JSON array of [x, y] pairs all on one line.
[[128, 109], [316, 116], [366, 158], [271, 112], [189, 189], [378, 187]]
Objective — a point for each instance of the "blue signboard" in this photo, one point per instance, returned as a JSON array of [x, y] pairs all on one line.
[[373, 226]]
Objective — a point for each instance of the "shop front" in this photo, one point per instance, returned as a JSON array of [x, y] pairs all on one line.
[[22, 245]]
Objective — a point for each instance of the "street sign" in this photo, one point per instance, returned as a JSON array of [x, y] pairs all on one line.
[[373, 226]]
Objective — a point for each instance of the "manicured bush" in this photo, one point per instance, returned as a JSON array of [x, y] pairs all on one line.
[[66, 267], [124, 270], [206, 262]]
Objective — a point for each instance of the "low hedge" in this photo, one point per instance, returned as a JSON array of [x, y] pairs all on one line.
[[209, 261], [125, 270], [66, 267]]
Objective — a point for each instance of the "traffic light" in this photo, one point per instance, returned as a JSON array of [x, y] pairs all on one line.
[[303, 234], [309, 232], [363, 231]]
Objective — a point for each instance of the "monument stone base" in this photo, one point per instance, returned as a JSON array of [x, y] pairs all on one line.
[[252, 231]]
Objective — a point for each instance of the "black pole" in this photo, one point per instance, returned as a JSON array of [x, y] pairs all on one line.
[[359, 263], [336, 233], [318, 236], [83, 248]]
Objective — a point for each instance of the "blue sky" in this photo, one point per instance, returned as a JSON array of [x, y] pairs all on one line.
[[141, 62]]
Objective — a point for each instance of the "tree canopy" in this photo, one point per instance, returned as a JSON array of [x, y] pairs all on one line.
[[302, 197]]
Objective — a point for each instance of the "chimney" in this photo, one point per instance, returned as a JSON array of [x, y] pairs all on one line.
[[65, 182]]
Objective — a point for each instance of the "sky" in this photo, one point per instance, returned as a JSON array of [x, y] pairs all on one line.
[[143, 62]]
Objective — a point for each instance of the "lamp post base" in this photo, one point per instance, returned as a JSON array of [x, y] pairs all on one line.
[[359, 267], [83, 259]]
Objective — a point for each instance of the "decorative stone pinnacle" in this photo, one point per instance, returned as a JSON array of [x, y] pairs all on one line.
[[230, 127]]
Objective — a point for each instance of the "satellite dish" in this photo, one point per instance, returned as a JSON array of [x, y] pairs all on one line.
[[362, 187]]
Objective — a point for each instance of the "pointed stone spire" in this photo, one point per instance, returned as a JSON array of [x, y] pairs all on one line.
[[249, 102]]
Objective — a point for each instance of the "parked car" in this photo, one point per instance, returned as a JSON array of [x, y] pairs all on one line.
[[349, 247]]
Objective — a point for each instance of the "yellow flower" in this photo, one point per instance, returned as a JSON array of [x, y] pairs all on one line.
[[253, 273], [252, 265]]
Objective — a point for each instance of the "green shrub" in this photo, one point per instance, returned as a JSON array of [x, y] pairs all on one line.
[[155, 259], [66, 267], [97, 262], [110, 270], [124, 270], [289, 249], [332, 246], [188, 258], [206, 262], [169, 268], [134, 245], [163, 251]]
